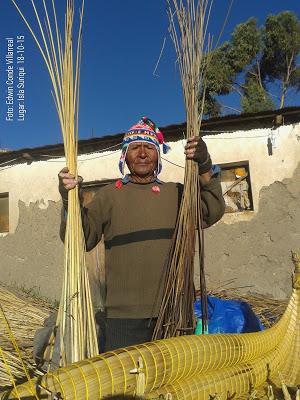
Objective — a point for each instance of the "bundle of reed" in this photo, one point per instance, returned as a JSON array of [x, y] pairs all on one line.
[[15, 363], [11, 368], [75, 323], [25, 316], [189, 367], [176, 315]]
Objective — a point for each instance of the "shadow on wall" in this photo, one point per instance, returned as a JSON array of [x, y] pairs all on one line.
[[32, 257], [256, 253]]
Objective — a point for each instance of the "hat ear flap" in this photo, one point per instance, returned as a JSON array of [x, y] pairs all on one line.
[[159, 163], [122, 159], [159, 167]]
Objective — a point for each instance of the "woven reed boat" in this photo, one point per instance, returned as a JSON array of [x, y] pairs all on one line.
[[187, 367]]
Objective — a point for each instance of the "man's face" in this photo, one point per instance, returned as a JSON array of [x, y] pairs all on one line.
[[141, 159]]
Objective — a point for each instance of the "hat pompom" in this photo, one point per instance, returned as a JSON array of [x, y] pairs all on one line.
[[161, 140], [160, 136]]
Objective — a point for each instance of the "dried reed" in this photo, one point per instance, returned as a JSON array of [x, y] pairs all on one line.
[[188, 367], [75, 322], [25, 316], [188, 26]]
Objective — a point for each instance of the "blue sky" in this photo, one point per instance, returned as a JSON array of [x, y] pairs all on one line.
[[121, 44]]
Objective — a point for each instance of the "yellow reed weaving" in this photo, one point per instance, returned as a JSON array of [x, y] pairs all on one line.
[[75, 323], [189, 367]]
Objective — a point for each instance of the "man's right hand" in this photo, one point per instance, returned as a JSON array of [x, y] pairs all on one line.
[[67, 182]]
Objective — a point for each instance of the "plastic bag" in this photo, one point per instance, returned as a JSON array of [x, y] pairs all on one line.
[[228, 316]]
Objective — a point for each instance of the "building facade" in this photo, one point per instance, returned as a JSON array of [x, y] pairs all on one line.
[[259, 155]]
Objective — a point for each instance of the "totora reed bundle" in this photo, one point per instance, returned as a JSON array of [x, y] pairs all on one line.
[[188, 25], [202, 367], [75, 323], [25, 316]]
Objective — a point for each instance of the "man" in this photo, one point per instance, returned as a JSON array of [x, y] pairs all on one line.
[[137, 216]]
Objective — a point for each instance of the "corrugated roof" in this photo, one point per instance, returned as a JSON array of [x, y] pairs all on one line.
[[212, 126]]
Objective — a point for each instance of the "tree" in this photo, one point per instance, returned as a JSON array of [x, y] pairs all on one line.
[[255, 98], [253, 61], [281, 37]]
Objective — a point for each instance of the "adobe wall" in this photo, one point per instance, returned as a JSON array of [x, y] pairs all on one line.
[[32, 256], [257, 253], [251, 247]]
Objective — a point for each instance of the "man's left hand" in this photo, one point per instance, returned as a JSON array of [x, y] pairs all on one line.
[[196, 150]]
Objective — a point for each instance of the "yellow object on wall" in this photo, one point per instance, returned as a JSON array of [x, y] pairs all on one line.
[[240, 172]]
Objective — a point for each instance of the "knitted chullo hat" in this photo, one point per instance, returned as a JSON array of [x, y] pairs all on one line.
[[144, 131]]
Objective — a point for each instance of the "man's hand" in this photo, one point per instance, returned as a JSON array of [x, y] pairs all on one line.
[[67, 182], [196, 150]]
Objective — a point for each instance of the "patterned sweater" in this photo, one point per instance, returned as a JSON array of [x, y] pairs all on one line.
[[137, 225]]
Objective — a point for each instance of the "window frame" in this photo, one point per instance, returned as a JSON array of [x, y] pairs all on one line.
[[5, 195], [240, 164]]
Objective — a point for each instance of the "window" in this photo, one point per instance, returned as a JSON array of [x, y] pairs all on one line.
[[4, 213], [236, 187]]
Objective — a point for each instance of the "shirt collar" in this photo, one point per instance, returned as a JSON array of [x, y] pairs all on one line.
[[126, 179]]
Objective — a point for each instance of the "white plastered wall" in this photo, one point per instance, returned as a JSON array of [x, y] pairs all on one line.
[[37, 182]]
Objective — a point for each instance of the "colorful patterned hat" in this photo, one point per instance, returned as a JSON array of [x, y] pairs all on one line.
[[144, 131]]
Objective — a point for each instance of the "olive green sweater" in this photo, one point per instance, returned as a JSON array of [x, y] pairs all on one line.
[[137, 225]]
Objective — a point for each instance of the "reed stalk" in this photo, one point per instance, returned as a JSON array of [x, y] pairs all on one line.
[[75, 321], [188, 26], [188, 367]]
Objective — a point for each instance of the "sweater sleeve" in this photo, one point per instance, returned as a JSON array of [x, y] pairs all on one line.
[[95, 216], [213, 205]]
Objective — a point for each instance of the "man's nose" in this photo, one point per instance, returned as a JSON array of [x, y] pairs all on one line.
[[142, 152]]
